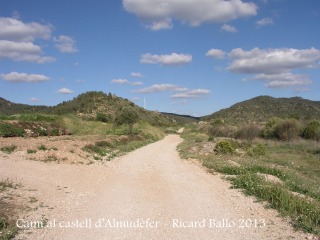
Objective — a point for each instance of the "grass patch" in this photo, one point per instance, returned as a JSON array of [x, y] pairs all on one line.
[[42, 148], [8, 228], [8, 149], [304, 213], [7, 184], [31, 151], [296, 164]]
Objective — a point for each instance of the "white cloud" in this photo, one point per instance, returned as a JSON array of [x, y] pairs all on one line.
[[168, 60], [34, 99], [22, 51], [271, 61], [136, 83], [229, 28], [275, 66], [216, 53], [161, 25], [195, 93], [264, 22], [64, 91], [120, 81], [16, 77], [125, 81], [161, 88], [65, 44], [136, 75], [283, 80], [16, 30], [158, 14]]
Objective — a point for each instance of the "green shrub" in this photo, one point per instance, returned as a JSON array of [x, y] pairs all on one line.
[[287, 129], [126, 115], [95, 149], [8, 149], [42, 147], [219, 129], [8, 130], [42, 132], [257, 151], [31, 151], [224, 147], [248, 132], [312, 131], [55, 132], [102, 117], [103, 144], [282, 129]]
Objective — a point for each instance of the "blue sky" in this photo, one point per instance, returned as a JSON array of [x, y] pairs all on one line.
[[188, 57]]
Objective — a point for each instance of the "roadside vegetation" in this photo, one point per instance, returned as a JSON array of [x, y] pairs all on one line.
[[8, 213], [278, 162]]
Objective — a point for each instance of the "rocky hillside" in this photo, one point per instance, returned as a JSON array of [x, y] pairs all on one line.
[[261, 108]]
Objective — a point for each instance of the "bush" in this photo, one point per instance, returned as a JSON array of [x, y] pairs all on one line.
[[287, 129], [282, 129], [126, 115], [312, 131], [269, 130], [219, 129], [42, 147], [8, 149], [248, 132], [224, 147], [102, 117], [257, 151], [55, 132], [8, 130]]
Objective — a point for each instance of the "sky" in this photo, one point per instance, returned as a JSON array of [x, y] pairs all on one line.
[[190, 57]]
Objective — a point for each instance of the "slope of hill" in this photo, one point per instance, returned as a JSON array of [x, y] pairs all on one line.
[[7, 107], [260, 109], [87, 106], [182, 118]]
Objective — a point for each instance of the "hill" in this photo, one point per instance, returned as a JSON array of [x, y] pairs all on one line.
[[182, 118], [87, 106], [260, 109], [8, 108]]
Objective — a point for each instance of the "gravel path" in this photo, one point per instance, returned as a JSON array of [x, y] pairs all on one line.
[[148, 194]]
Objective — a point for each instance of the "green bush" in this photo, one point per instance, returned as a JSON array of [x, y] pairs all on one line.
[[126, 115], [8, 149], [8, 130], [257, 151], [287, 129], [248, 132], [282, 129], [224, 147], [42, 147], [55, 132], [102, 117], [312, 131]]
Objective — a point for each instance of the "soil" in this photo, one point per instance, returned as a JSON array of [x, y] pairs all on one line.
[[151, 193]]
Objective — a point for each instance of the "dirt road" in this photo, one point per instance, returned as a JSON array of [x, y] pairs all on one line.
[[148, 194]]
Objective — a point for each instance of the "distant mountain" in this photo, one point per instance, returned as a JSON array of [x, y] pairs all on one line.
[[260, 109], [182, 118], [8, 108], [87, 106]]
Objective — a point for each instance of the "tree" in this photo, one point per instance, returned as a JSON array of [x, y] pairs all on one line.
[[287, 129], [126, 115], [312, 131]]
